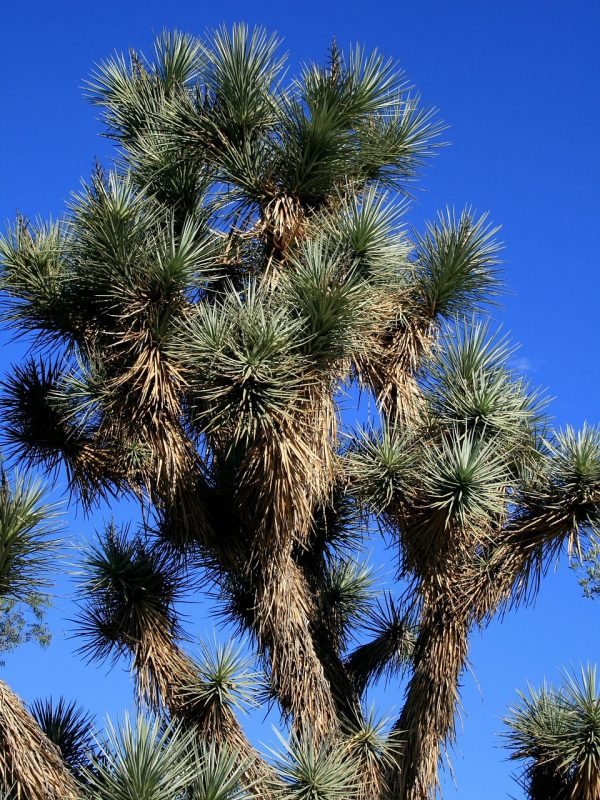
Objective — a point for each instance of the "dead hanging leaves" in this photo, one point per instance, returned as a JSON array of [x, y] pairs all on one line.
[[282, 223], [28, 759], [284, 477]]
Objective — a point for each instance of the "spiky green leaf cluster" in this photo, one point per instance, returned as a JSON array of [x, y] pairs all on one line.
[[142, 760], [227, 679], [127, 587], [556, 732], [28, 524], [310, 772], [68, 726]]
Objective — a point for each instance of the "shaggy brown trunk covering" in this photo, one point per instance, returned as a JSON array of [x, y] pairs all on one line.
[[427, 719], [29, 761]]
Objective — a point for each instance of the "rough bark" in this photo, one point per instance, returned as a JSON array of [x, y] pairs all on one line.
[[426, 723], [29, 761]]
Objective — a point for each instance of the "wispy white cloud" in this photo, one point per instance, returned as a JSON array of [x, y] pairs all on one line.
[[524, 364]]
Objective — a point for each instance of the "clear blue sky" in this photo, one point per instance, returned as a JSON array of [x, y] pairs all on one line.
[[517, 81]]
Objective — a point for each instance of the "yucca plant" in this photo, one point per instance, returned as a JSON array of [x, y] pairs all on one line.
[[220, 775], [556, 732], [129, 588], [30, 765], [142, 760], [210, 302], [68, 726], [328, 770]]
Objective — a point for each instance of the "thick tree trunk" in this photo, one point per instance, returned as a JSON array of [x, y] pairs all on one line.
[[452, 603], [29, 761], [427, 720], [283, 621], [278, 611], [254, 547]]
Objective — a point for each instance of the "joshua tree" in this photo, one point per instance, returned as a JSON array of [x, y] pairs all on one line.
[[130, 588], [557, 733], [29, 762], [201, 313]]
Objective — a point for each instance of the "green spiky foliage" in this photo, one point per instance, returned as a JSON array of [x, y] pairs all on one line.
[[221, 776], [30, 765], [129, 587], [556, 732], [68, 726], [142, 760], [374, 751], [27, 525], [327, 771], [210, 303]]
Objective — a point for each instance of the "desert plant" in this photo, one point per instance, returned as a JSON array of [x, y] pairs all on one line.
[[556, 732], [209, 302], [30, 764]]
